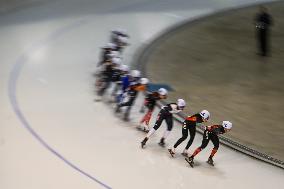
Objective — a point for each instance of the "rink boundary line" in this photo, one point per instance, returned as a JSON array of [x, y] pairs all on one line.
[[143, 54], [12, 91]]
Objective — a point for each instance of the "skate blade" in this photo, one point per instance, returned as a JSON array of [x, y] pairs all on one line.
[[189, 162], [142, 129], [184, 154], [162, 145], [172, 154], [212, 164], [142, 145]]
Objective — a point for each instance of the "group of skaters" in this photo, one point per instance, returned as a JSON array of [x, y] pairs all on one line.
[[126, 84], [112, 73]]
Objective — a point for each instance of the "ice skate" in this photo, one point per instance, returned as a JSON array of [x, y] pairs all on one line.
[[184, 153], [190, 161], [146, 130], [117, 110], [143, 143], [210, 161], [162, 142], [126, 115], [171, 152], [142, 127], [98, 99]]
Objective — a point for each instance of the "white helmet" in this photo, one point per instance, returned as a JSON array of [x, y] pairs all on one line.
[[227, 124], [163, 91], [135, 73], [181, 103], [116, 60], [144, 81], [119, 31], [109, 46], [205, 114], [114, 54], [124, 68], [123, 40]]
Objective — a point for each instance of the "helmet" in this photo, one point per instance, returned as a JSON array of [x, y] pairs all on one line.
[[119, 31], [116, 60], [124, 68], [227, 124], [123, 40], [163, 91], [181, 103], [205, 114], [144, 81], [114, 54], [135, 73], [109, 46]]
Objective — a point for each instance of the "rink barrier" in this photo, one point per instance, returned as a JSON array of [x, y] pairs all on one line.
[[140, 63]]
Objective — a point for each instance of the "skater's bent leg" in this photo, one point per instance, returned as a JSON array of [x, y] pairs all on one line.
[[127, 112], [184, 136], [151, 132], [169, 121], [146, 117], [192, 131], [215, 141], [205, 142], [157, 125], [102, 91], [196, 151], [128, 103], [213, 152], [159, 121]]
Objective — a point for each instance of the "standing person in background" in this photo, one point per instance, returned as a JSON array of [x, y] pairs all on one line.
[[166, 113], [263, 21], [211, 133]]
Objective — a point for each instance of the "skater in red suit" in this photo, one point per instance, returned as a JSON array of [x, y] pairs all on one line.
[[211, 133], [150, 103]]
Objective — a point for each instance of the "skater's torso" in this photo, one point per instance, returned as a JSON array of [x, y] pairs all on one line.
[[171, 108], [151, 100], [105, 55], [193, 120], [108, 71], [134, 89], [216, 129], [125, 82], [116, 75]]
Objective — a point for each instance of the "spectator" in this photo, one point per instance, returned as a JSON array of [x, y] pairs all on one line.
[[263, 21]]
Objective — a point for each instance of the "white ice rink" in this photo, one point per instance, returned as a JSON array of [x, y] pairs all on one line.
[[54, 136]]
